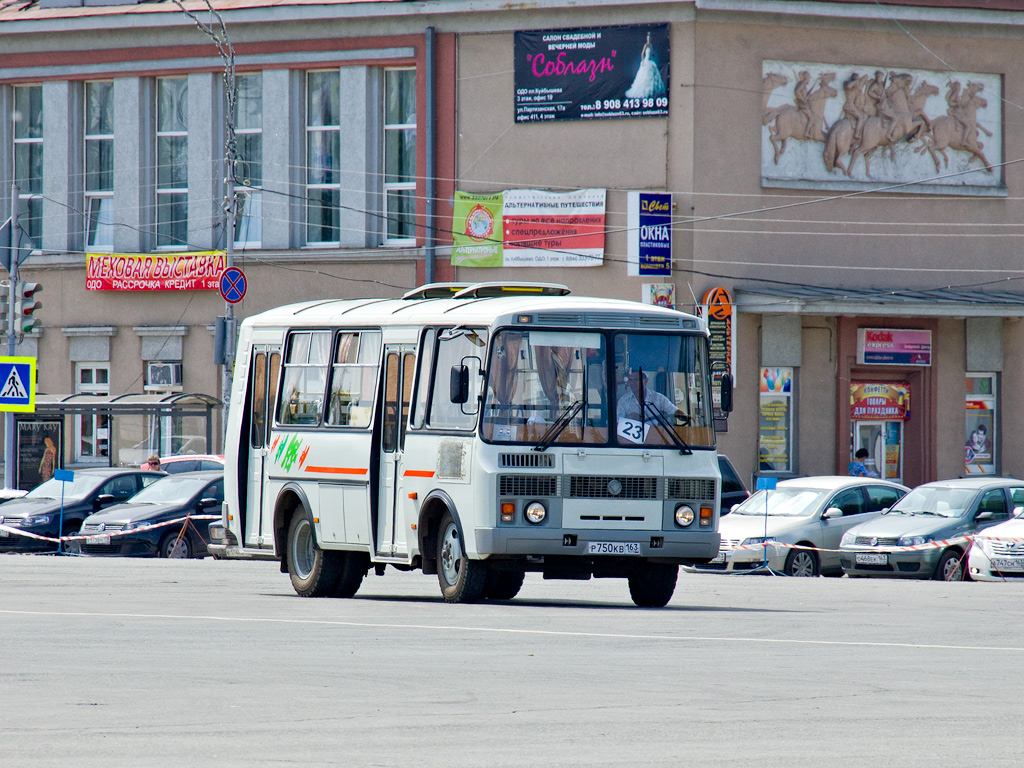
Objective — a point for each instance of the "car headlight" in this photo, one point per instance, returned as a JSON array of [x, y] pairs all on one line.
[[848, 540], [684, 515], [912, 541], [29, 522], [535, 512], [757, 540]]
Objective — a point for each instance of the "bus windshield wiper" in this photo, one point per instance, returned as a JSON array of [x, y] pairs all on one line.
[[559, 426], [673, 435]]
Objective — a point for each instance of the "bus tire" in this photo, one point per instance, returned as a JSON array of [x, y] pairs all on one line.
[[314, 572], [462, 580], [353, 568], [503, 584], [653, 585]]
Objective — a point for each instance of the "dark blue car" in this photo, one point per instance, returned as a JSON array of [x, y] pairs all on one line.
[[153, 522], [39, 511]]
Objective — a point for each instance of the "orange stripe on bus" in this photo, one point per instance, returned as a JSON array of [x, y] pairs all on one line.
[[419, 473], [338, 470]]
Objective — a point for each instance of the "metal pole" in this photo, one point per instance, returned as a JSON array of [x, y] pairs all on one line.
[[12, 339], [430, 255]]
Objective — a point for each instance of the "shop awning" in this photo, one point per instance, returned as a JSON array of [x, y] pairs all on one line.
[[890, 302]]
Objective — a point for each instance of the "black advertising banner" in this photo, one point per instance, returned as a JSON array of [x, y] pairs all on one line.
[[592, 73], [40, 447]]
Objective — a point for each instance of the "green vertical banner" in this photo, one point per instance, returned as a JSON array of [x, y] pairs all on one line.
[[477, 231]]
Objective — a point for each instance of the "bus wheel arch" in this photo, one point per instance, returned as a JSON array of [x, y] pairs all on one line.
[[433, 509], [289, 501]]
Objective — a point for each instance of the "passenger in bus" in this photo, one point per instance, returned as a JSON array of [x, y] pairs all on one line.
[[629, 401]]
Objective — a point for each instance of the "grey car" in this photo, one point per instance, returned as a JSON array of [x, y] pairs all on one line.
[[933, 518]]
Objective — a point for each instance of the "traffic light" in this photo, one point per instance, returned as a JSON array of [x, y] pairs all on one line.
[[27, 306], [5, 292]]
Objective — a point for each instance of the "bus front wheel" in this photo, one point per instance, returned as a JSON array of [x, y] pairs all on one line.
[[314, 573], [462, 580]]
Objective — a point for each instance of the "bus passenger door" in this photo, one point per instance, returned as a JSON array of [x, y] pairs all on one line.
[[399, 368], [263, 375]]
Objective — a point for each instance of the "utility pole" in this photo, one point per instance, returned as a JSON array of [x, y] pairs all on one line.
[[217, 31], [12, 336]]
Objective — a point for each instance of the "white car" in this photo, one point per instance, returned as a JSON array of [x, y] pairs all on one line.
[[998, 552], [810, 511]]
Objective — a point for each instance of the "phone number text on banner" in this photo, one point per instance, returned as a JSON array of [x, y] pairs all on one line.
[[192, 271]]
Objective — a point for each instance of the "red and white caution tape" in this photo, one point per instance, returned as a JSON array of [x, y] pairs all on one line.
[[112, 534]]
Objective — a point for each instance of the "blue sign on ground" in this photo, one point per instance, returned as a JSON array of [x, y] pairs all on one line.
[[232, 285], [17, 384]]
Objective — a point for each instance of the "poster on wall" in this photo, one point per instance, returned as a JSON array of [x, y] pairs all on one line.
[[592, 73], [649, 232], [40, 448], [659, 294], [979, 443], [873, 401], [774, 449], [529, 228]]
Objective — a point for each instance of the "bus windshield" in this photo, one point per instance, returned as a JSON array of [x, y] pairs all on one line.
[[552, 387]]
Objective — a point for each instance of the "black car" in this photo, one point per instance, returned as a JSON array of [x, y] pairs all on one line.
[[164, 504], [733, 490], [39, 511]]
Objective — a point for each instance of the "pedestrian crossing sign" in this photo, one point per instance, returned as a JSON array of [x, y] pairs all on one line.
[[18, 384]]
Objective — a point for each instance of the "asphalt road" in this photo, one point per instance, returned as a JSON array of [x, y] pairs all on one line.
[[111, 662]]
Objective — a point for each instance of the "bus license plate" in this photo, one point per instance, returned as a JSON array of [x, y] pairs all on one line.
[[613, 548], [865, 558], [97, 539], [1005, 564]]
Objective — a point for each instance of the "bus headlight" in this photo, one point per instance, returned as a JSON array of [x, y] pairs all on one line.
[[684, 515], [535, 512]]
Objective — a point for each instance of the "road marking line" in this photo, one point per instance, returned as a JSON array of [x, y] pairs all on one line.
[[500, 630]]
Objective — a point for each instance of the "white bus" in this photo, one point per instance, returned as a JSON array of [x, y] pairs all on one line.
[[477, 432]]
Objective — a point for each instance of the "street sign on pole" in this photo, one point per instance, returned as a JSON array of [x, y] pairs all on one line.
[[232, 285], [18, 384]]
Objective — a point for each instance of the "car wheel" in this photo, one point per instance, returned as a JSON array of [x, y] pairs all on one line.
[[462, 580], [801, 562], [71, 547], [654, 585], [313, 572], [176, 546], [503, 584], [353, 567], [950, 567]]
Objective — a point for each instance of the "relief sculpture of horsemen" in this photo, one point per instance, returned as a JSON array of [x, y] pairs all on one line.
[[889, 117]]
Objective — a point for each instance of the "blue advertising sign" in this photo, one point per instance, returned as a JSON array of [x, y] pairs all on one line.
[[649, 219], [591, 73]]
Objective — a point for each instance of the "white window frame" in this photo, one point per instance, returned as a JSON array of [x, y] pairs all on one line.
[[396, 186], [249, 198], [97, 422], [310, 186], [33, 226], [168, 192], [106, 228]]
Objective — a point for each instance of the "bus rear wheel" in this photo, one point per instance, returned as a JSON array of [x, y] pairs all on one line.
[[653, 585], [314, 573], [503, 584], [462, 580]]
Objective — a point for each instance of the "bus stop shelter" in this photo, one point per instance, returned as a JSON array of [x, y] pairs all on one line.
[[124, 430]]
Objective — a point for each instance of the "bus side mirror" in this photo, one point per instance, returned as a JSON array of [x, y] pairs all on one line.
[[459, 384], [725, 392]]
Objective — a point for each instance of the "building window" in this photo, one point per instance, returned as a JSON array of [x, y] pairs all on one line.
[[28, 158], [400, 156], [323, 145], [980, 445], [99, 165], [92, 431], [249, 166], [163, 376], [172, 163]]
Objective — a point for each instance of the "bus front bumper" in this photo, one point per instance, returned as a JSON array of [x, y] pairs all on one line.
[[683, 547]]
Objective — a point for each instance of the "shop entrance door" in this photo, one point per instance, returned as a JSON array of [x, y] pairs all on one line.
[[884, 443]]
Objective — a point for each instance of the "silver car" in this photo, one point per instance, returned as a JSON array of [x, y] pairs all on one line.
[[813, 512]]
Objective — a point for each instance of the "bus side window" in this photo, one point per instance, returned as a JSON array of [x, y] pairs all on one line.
[[259, 401], [419, 411], [459, 348], [305, 378], [353, 379]]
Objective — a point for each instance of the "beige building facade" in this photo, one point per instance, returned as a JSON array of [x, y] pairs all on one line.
[[847, 172]]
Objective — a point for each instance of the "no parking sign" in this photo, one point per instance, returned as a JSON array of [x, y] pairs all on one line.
[[232, 285]]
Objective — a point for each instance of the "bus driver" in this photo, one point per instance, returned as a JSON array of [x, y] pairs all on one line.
[[629, 402]]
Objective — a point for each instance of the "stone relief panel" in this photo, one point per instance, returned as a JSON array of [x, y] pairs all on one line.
[[837, 125]]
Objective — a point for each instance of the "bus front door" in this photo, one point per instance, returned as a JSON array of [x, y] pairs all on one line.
[[263, 375], [399, 367]]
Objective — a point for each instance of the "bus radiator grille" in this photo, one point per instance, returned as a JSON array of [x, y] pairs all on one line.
[[600, 487], [528, 485], [689, 488]]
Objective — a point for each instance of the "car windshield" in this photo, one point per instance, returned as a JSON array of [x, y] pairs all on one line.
[[76, 490], [782, 502], [167, 490], [936, 500]]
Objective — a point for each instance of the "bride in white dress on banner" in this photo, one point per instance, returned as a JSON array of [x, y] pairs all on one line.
[[648, 82]]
